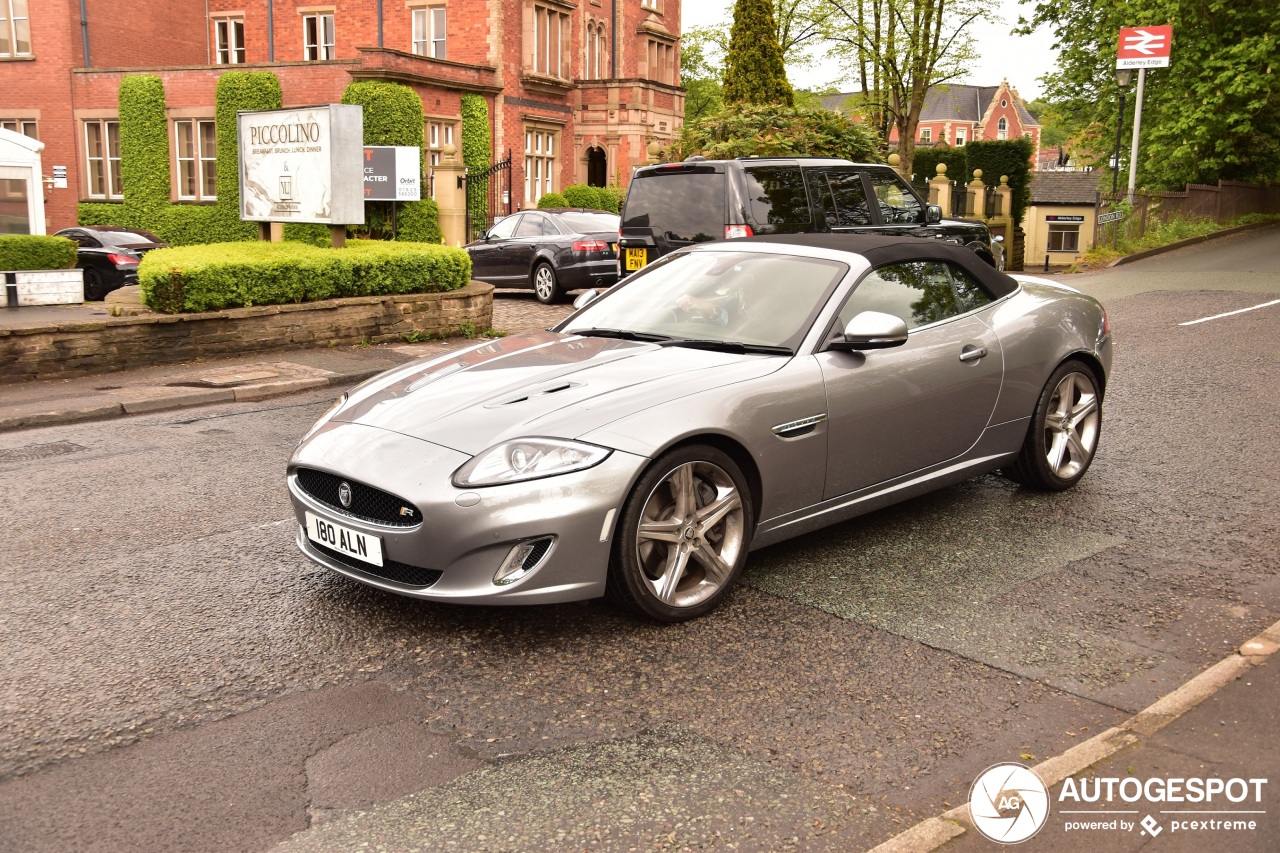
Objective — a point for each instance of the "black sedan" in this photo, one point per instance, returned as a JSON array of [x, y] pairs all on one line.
[[552, 251], [109, 256]]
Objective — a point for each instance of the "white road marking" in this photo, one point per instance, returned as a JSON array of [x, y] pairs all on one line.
[[1230, 313]]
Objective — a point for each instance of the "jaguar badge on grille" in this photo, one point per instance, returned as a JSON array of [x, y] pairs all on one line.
[[344, 494]]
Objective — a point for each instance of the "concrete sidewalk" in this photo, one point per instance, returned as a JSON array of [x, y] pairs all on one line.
[[226, 380]]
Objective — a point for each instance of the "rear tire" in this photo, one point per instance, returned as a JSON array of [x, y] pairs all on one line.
[[545, 286], [683, 537], [1065, 428], [94, 290]]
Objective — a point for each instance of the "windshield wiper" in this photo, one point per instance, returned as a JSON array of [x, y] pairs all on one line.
[[622, 334], [728, 346]]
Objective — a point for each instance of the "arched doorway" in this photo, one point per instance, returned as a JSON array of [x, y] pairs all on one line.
[[597, 168]]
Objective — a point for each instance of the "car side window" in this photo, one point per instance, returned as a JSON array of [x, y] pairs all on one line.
[[504, 228], [920, 292], [530, 226], [968, 292], [898, 205], [776, 199], [841, 198]]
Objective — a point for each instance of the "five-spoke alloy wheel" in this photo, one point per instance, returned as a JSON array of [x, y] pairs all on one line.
[[545, 286], [1064, 432], [684, 534]]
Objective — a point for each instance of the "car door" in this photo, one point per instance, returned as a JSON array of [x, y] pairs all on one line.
[[534, 230], [895, 411], [487, 260], [839, 199]]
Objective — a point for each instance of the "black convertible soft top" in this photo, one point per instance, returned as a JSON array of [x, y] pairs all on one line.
[[880, 250]]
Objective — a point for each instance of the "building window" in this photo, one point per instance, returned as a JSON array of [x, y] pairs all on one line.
[[196, 143], [439, 134], [1002, 129], [25, 126], [1004, 102], [651, 5], [595, 66], [429, 32], [317, 36], [102, 157], [926, 135], [550, 29], [539, 164], [228, 34], [15, 28], [1064, 237], [959, 136], [662, 61]]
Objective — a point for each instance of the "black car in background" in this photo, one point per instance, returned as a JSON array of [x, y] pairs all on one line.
[[552, 251], [673, 205], [109, 256]]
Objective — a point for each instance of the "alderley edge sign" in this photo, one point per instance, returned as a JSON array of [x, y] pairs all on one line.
[[302, 165]]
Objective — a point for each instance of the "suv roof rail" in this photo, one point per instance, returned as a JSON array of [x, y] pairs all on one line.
[[694, 158]]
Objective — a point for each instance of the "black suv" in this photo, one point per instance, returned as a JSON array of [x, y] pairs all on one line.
[[673, 205]]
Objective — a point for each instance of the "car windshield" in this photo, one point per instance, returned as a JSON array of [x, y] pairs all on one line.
[[587, 223], [124, 238], [716, 297]]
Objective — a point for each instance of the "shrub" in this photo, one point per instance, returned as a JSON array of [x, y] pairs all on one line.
[[777, 131], [927, 159], [998, 157], [230, 275], [598, 198], [36, 252], [554, 200]]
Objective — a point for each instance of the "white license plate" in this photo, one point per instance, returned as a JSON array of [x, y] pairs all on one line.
[[353, 543]]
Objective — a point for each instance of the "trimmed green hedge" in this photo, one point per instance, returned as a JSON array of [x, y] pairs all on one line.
[[233, 275], [552, 200], [36, 252], [1010, 157], [598, 198], [477, 148], [927, 160]]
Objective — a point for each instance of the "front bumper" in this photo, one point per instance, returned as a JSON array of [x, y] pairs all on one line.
[[467, 544]]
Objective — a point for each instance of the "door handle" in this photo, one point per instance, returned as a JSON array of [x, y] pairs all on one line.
[[970, 354]]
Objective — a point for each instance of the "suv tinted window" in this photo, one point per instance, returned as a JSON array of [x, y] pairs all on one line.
[[690, 204], [898, 206], [841, 198], [776, 199]]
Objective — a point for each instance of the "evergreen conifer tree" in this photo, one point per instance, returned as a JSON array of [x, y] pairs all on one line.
[[754, 70]]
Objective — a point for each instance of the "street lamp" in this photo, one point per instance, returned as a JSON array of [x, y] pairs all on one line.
[[1124, 76]]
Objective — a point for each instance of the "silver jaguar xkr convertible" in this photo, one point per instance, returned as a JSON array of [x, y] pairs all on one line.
[[728, 397]]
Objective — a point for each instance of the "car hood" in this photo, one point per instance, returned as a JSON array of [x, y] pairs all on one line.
[[539, 384]]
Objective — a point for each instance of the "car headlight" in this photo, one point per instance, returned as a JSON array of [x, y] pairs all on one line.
[[527, 459]]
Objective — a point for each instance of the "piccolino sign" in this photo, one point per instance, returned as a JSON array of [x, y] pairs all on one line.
[[302, 165]]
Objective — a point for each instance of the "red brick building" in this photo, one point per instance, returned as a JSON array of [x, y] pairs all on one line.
[[576, 88]]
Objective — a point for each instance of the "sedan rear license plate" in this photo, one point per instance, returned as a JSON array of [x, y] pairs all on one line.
[[353, 543], [637, 258]]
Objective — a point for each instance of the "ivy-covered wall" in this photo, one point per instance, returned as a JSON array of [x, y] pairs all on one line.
[[477, 146], [144, 162]]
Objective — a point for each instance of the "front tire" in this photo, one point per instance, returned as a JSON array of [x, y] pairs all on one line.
[[683, 537], [545, 286], [1064, 433]]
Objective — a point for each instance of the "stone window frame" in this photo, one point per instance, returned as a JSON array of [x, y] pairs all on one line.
[[324, 51], [428, 10], [9, 19], [231, 26], [204, 163], [539, 16], [540, 163], [110, 165], [22, 121]]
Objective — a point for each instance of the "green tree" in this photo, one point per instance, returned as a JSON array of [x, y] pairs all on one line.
[[778, 131], [901, 48], [754, 71], [1214, 114], [700, 72]]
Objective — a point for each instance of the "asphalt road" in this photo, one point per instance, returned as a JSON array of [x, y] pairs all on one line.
[[177, 676]]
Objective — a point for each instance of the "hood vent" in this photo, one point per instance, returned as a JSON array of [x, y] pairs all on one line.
[[549, 388]]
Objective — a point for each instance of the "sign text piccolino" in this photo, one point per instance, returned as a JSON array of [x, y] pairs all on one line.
[[277, 134]]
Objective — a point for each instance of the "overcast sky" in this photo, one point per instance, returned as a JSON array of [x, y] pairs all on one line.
[[1022, 59]]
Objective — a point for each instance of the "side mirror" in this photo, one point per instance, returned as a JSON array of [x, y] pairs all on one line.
[[585, 298], [932, 214], [872, 330]]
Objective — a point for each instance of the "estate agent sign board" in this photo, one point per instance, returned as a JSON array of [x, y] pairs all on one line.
[[302, 164], [392, 173]]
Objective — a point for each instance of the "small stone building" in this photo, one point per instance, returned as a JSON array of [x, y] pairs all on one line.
[[1059, 222]]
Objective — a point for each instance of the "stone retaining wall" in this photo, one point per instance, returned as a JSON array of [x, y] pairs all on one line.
[[79, 349]]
